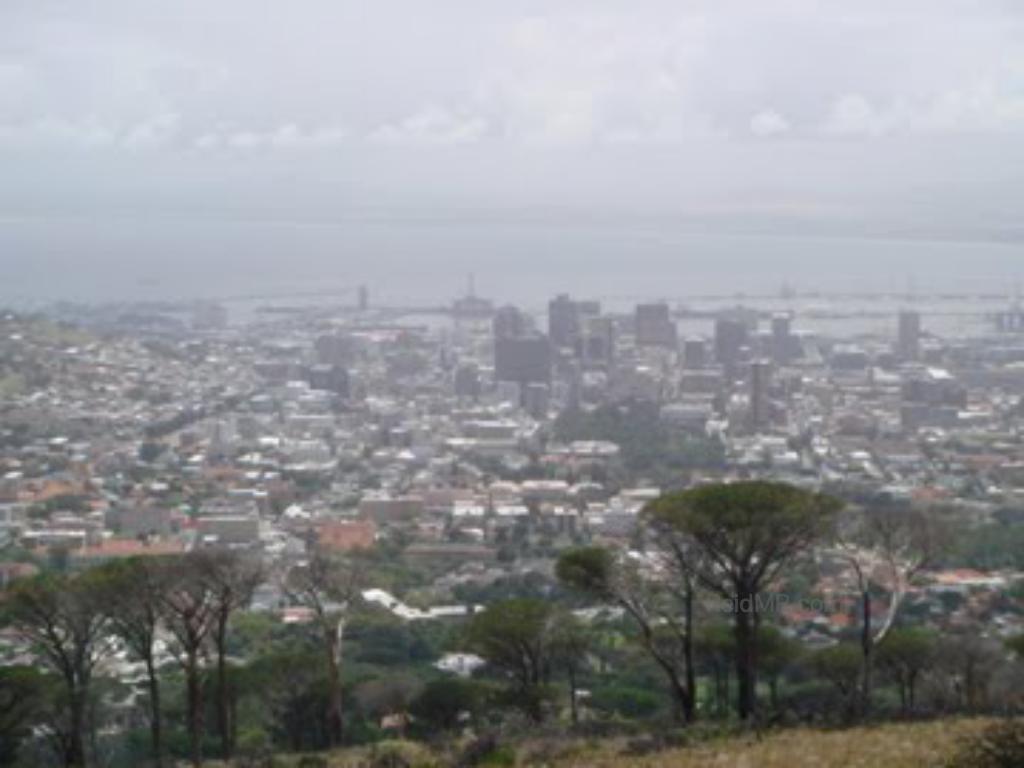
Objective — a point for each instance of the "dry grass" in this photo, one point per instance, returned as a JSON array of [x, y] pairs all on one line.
[[899, 745], [894, 745]]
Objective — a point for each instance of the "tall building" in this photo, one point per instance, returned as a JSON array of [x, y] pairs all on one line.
[[760, 383], [654, 325], [695, 353], [909, 338], [730, 338], [523, 360], [467, 381], [335, 349], [563, 321], [597, 344], [509, 323], [782, 339], [330, 378], [536, 399]]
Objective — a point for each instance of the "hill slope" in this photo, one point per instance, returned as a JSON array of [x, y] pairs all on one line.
[[894, 745]]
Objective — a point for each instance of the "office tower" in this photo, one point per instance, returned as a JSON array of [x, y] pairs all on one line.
[[536, 399], [654, 325], [695, 353], [760, 382], [335, 349], [509, 323], [782, 339], [364, 298], [563, 321], [330, 378], [467, 380], [522, 360], [909, 340], [597, 344], [730, 339]]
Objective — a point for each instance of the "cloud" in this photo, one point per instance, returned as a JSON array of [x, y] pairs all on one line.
[[517, 72], [852, 115], [286, 137], [157, 131], [768, 123], [432, 125]]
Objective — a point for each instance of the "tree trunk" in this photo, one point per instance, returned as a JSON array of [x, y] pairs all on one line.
[[155, 722], [867, 643], [573, 705], [911, 686], [195, 708], [681, 696], [334, 710], [223, 715], [689, 708], [746, 654], [75, 755]]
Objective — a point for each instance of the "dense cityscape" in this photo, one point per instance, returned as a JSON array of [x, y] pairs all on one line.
[[411, 490], [587, 384]]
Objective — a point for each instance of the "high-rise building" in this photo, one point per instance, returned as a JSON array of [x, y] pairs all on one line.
[[563, 321], [597, 344], [909, 339], [331, 378], [760, 382], [782, 339], [522, 359], [335, 349], [654, 325], [509, 323], [536, 399], [695, 353], [467, 381], [730, 338]]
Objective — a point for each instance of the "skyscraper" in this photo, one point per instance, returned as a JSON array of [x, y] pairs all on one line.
[[760, 382], [909, 339], [695, 353], [509, 323], [730, 338], [523, 359], [654, 325], [782, 339], [597, 344], [563, 321]]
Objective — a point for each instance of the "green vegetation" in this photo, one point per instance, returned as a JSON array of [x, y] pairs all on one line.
[[992, 546], [656, 669], [649, 446]]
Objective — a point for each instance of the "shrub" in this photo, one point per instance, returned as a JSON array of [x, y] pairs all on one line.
[[1000, 745]]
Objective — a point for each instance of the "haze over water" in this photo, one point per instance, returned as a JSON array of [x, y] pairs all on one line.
[[427, 262]]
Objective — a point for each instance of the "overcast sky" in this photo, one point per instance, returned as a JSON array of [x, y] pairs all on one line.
[[876, 114]]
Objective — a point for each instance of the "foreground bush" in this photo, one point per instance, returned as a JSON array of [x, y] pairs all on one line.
[[1000, 745]]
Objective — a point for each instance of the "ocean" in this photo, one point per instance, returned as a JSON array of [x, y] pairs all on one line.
[[428, 262]]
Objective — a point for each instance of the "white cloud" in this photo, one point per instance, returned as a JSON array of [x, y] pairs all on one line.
[[208, 141], [852, 115], [768, 123], [246, 140], [432, 125], [153, 132]]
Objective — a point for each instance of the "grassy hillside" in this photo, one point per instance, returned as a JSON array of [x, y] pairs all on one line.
[[921, 745], [897, 745]]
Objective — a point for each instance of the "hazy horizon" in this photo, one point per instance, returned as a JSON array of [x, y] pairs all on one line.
[[214, 149]]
